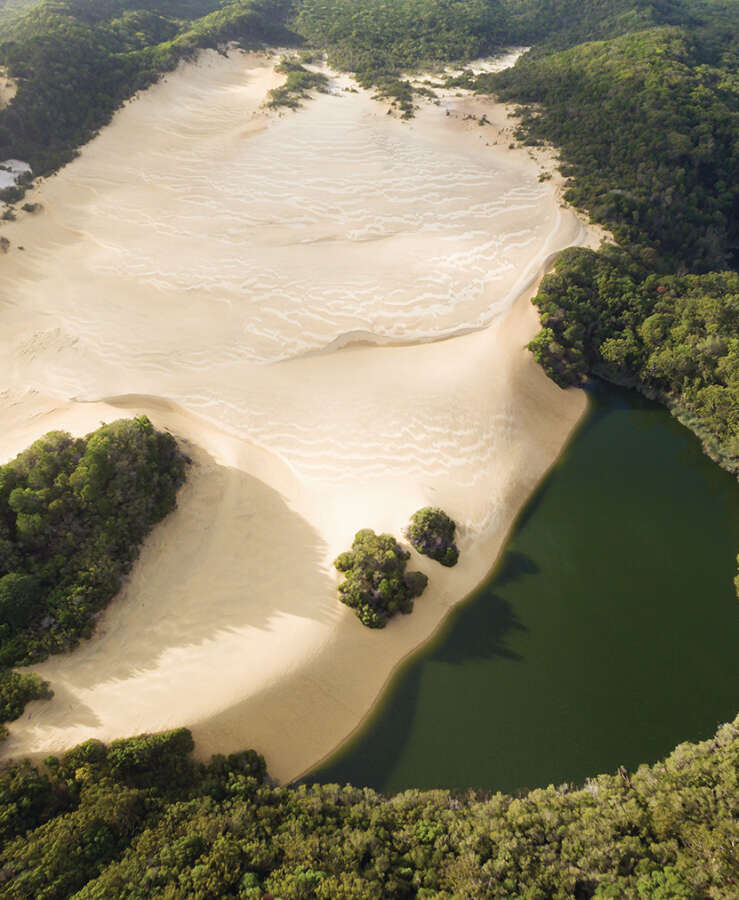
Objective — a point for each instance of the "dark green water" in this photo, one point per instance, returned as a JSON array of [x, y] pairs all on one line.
[[607, 634]]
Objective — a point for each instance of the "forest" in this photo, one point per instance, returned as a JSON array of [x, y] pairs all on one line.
[[646, 124], [139, 819], [77, 61], [641, 100], [675, 337], [73, 513]]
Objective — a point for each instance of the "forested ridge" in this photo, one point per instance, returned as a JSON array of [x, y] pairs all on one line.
[[647, 124], [73, 513], [77, 61], [140, 819], [641, 98]]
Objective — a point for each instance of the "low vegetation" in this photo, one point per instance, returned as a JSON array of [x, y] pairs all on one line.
[[376, 585], [431, 532], [17, 689], [141, 819], [73, 513], [298, 85]]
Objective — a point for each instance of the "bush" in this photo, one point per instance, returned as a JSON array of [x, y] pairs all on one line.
[[17, 689], [225, 830], [431, 532], [376, 584], [73, 513]]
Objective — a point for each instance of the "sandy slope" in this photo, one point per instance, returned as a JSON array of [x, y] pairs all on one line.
[[203, 252], [8, 88]]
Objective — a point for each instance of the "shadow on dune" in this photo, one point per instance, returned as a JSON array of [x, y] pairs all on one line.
[[233, 556]]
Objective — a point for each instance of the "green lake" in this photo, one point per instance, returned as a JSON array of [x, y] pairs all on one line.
[[606, 635]]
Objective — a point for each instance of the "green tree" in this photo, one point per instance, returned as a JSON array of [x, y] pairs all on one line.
[[376, 584]]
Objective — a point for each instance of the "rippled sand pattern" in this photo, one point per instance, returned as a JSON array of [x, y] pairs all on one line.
[[214, 239], [230, 273], [328, 221]]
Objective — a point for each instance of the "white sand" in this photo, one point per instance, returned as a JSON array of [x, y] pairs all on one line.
[[204, 252], [10, 172], [8, 88]]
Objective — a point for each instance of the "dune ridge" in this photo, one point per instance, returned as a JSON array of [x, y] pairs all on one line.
[[211, 265]]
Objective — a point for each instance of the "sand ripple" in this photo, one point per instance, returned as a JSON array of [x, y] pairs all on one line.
[[205, 263]]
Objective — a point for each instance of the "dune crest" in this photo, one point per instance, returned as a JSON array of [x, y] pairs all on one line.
[[213, 266]]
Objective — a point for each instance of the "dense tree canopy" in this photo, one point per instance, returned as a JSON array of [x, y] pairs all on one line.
[[393, 36], [141, 819], [648, 137], [76, 61], [431, 532], [676, 338], [73, 512], [647, 124], [375, 583]]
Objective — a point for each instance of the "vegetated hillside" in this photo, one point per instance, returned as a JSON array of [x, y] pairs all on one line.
[[648, 126], [140, 819], [73, 513], [381, 37], [555, 24], [648, 134], [9, 9], [674, 337], [379, 40], [76, 61]]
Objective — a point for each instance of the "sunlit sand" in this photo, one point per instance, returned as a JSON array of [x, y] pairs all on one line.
[[329, 308]]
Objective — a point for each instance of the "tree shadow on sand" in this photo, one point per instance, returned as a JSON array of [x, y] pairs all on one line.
[[233, 556]]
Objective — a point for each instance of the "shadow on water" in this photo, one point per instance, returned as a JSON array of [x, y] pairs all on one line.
[[606, 635], [480, 629], [476, 631], [479, 632]]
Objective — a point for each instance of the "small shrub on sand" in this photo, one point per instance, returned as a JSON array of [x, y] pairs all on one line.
[[376, 584], [431, 532]]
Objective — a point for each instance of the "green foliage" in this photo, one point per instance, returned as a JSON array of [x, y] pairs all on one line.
[[647, 124], [77, 61], [376, 584], [648, 137], [12, 9], [21, 597], [675, 338], [73, 512], [431, 532], [223, 830], [159, 756], [17, 689], [392, 36], [379, 40], [557, 24], [298, 84]]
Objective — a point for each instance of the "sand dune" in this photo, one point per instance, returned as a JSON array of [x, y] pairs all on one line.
[[206, 263]]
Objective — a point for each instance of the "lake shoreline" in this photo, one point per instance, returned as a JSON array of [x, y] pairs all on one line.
[[229, 622]]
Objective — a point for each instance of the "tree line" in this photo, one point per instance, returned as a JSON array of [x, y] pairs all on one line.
[[140, 818], [73, 514]]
